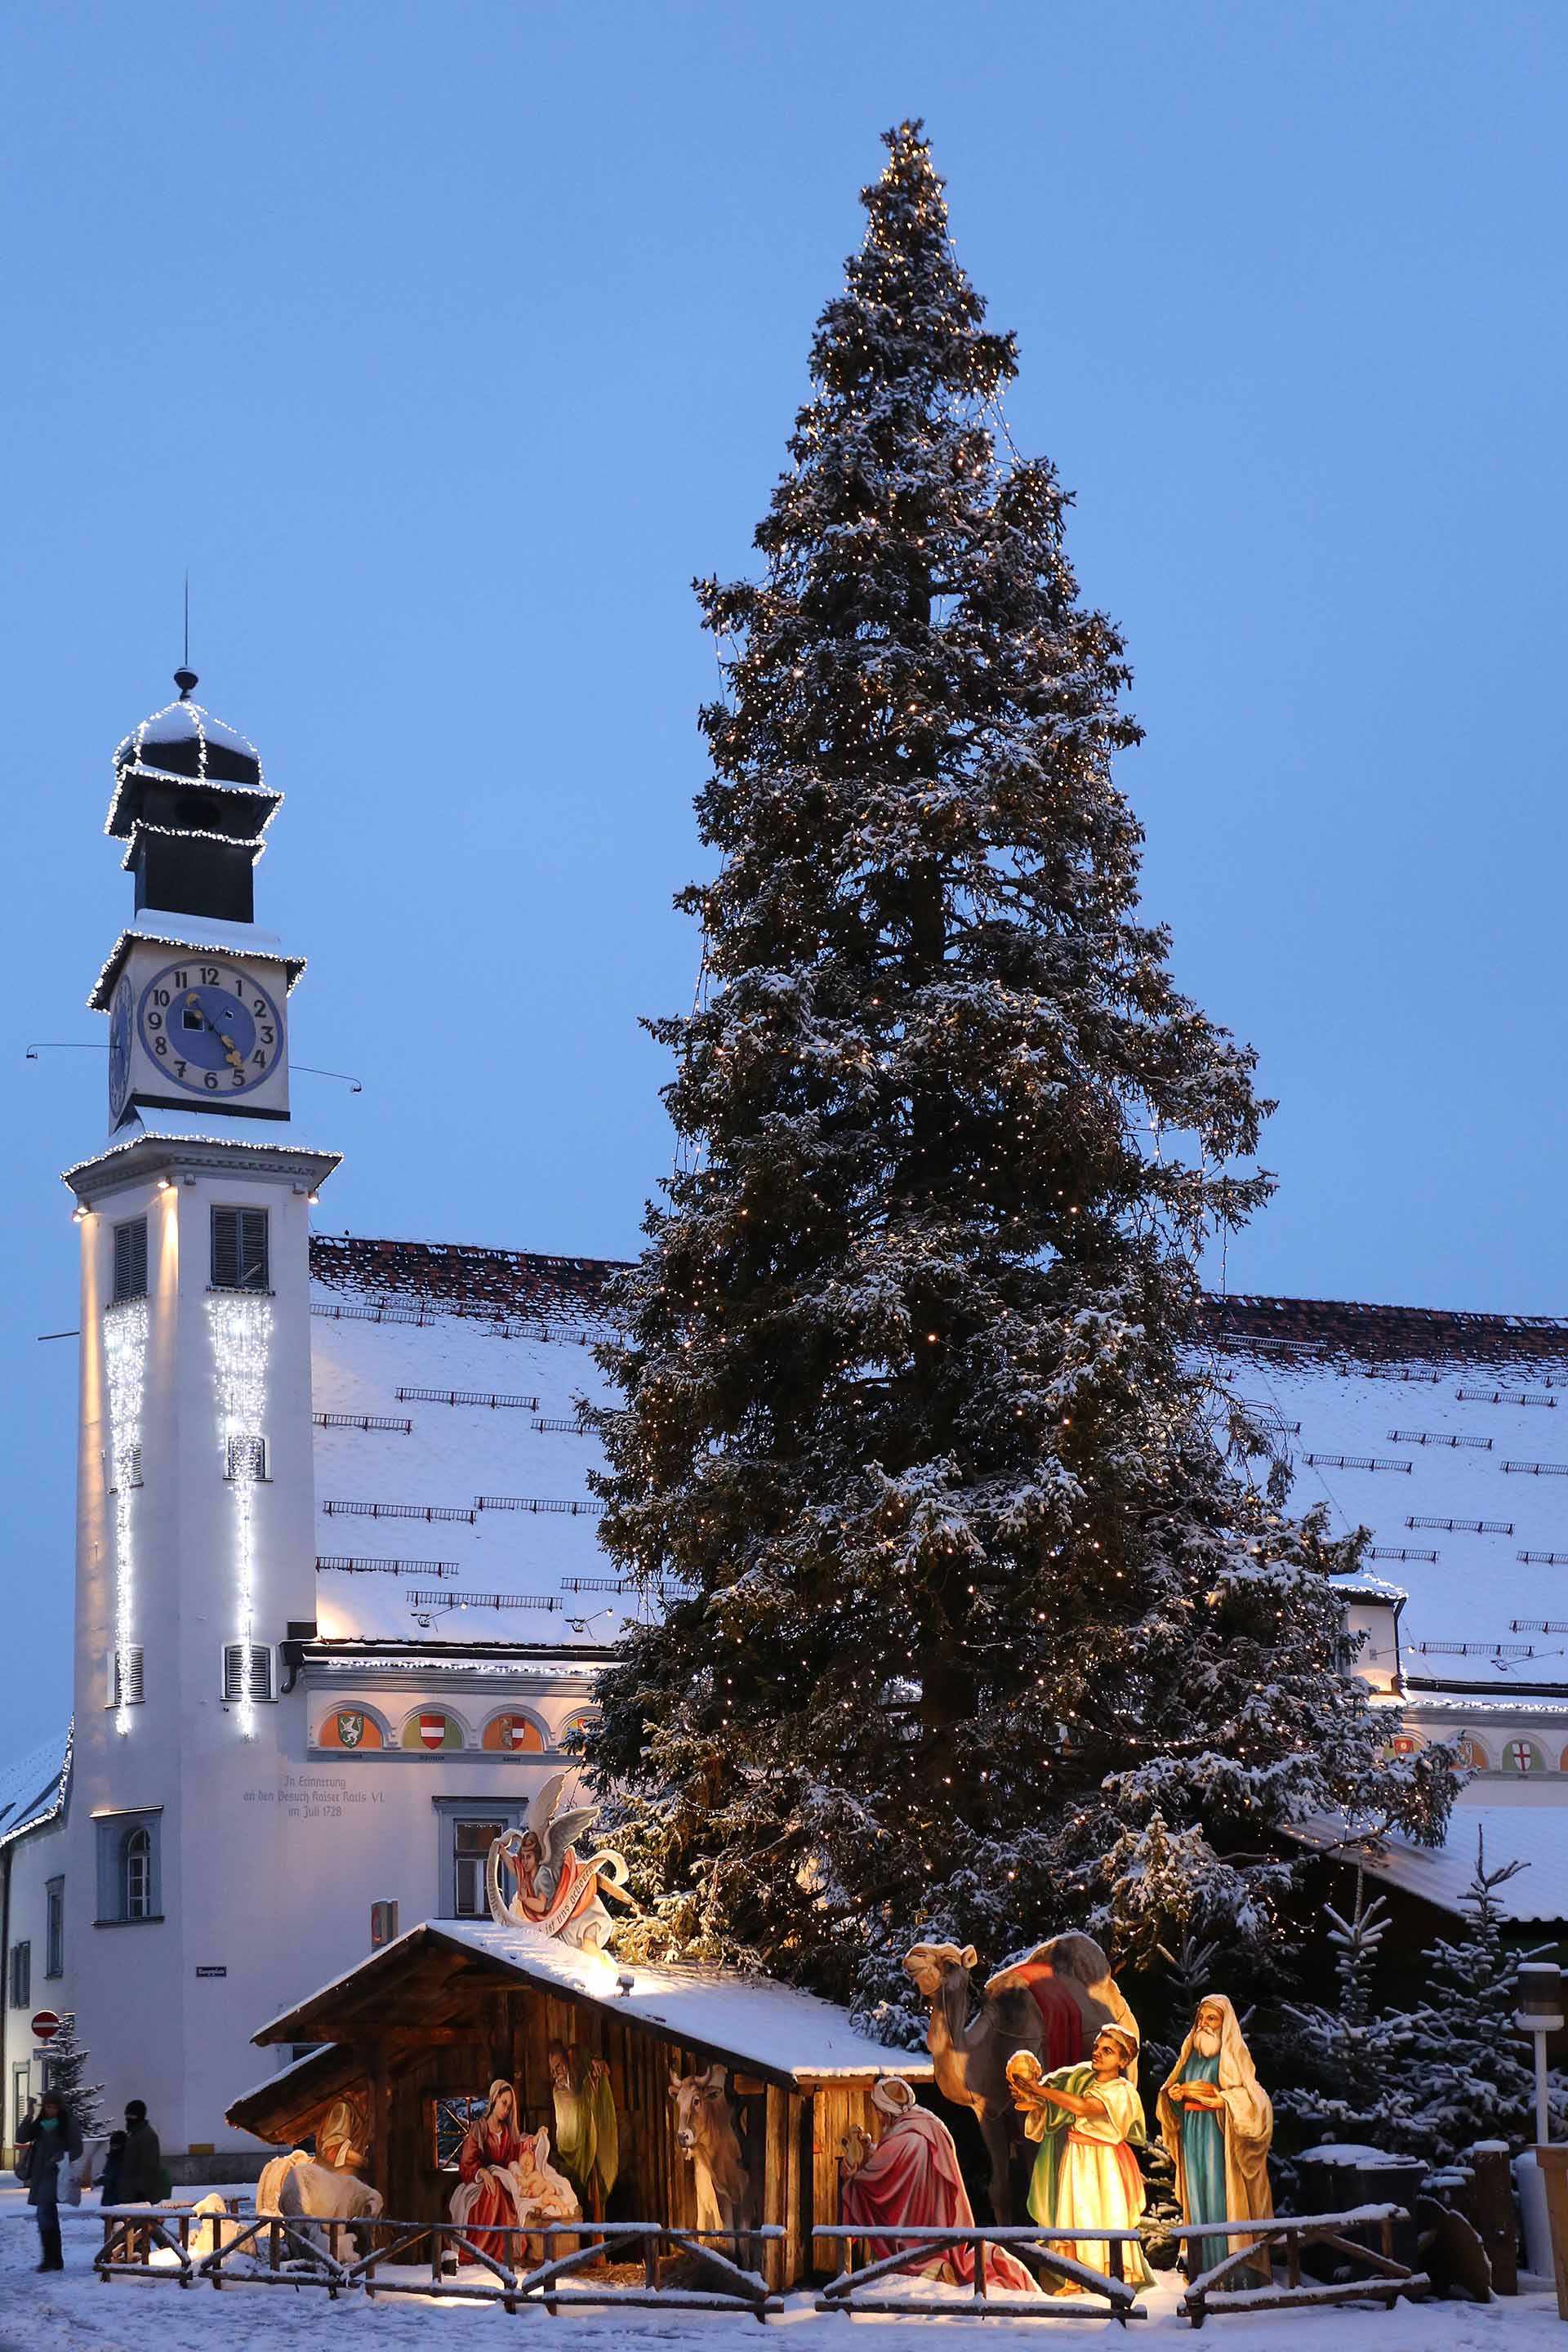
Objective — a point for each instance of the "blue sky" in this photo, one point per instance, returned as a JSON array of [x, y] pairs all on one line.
[[444, 343]]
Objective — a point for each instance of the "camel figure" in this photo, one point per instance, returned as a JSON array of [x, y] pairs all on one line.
[[970, 2051]]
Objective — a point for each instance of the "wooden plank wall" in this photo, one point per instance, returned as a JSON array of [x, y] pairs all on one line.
[[790, 2139]]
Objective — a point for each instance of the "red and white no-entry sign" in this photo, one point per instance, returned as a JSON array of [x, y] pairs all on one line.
[[45, 2025]]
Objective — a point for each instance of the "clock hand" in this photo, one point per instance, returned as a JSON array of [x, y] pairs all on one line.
[[231, 1055]]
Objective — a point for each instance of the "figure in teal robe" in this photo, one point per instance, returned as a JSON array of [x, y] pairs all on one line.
[[1203, 2153]]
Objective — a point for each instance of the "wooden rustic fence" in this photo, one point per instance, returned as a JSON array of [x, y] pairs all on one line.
[[519, 2266], [1386, 2280], [846, 2293], [560, 2266]]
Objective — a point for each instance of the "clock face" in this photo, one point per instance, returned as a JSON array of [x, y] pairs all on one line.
[[120, 1050], [209, 1027]]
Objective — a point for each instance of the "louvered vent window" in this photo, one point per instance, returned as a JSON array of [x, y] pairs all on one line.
[[239, 1249], [128, 1472], [246, 1672], [126, 1687], [246, 1460], [131, 1259]]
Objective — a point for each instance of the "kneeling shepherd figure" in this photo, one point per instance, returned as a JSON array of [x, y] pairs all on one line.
[[1088, 2120], [1217, 2121]]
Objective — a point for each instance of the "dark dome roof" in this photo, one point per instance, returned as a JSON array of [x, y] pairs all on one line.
[[183, 739]]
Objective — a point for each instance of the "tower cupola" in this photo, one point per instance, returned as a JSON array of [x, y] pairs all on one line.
[[192, 805]]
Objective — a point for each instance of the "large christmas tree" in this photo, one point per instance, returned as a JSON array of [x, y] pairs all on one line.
[[968, 1629]]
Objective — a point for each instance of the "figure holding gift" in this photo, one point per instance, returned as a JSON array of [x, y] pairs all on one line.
[[1088, 2120], [1217, 2121]]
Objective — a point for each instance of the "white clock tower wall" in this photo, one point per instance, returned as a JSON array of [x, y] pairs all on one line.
[[196, 1523]]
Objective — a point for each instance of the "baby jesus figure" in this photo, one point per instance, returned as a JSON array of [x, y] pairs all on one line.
[[1087, 2119]]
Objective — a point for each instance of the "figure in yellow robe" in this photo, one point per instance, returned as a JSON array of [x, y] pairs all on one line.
[[1088, 2120]]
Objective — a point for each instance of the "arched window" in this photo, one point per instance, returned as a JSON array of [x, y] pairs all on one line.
[[136, 1875]]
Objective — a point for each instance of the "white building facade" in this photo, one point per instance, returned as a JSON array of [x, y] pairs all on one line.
[[338, 1599]]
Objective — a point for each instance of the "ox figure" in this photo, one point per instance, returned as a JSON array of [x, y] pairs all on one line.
[[705, 2134]]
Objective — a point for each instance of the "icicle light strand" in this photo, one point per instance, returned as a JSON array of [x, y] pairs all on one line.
[[125, 1356], [241, 1329]]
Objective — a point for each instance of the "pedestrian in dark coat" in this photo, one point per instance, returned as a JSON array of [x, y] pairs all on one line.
[[44, 2143], [109, 2187], [142, 2159]]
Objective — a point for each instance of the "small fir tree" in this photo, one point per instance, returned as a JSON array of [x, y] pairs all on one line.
[[1467, 2072], [69, 2058], [1347, 2059], [969, 1630]]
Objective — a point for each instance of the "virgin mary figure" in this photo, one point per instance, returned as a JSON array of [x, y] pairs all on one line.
[[482, 2201]]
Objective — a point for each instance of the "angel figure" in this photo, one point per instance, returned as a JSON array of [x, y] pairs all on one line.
[[553, 1887]]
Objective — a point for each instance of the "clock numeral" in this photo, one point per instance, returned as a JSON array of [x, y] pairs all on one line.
[[160, 997], [258, 1061], [182, 979], [260, 1007], [161, 1046], [209, 975], [180, 1068], [236, 1077], [210, 1081], [154, 1021], [266, 1037]]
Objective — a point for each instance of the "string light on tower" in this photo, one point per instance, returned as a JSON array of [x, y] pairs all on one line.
[[240, 1324], [125, 1356]]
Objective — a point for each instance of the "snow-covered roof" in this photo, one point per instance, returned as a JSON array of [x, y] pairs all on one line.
[[139, 1136], [1531, 1834], [446, 1382], [33, 1788], [749, 2019], [177, 931], [1447, 1435]]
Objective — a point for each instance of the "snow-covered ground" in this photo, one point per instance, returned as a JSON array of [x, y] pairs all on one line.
[[74, 2312]]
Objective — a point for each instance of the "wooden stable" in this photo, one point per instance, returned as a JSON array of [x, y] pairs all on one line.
[[454, 2005]]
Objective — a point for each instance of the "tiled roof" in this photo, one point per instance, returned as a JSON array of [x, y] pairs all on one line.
[[509, 1285], [1341, 1326]]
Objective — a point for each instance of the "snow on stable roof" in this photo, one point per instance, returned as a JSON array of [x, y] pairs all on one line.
[[1466, 1417], [498, 1341], [32, 1791], [1531, 1834], [747, 2020]]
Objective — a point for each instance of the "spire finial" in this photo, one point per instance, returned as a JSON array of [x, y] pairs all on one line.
[[185, 677]]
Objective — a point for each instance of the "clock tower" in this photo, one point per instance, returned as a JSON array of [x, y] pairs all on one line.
[[188, 1029], [195, 1506]]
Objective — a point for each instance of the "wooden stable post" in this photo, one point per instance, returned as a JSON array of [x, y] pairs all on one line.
[[1552, 2161]]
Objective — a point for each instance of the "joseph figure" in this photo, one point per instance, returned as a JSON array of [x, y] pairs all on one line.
[[1217, 2121]]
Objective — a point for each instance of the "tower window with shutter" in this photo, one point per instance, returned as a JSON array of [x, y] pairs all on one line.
[[129, 1473], [246, 1460], [131, 1259], [126, 1681], [246, 1673], [239, 1257]]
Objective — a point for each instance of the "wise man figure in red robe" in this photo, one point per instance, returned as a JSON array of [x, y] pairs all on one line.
[[910, 2181]]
